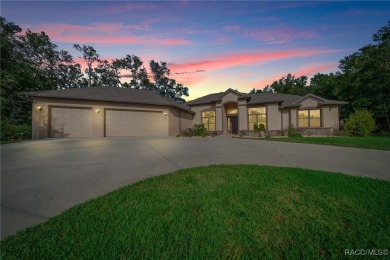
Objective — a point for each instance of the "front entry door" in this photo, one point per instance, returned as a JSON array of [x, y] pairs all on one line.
[[233, 120]]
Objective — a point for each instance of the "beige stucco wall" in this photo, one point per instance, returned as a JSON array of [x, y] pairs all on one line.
[[40, 117], [286, 119], [229, 97], [309, 103], [330, 116], [198, 110], [293, 116], [242, 117], [179, 121], [218, 117], [274, 117]]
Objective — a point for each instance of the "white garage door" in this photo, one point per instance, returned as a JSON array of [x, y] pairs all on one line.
[[135, 123], [70, 122]]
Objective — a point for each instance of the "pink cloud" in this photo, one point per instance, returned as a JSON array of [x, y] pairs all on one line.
[[242, 59], [106, 33], [190, 80], [307, 70]]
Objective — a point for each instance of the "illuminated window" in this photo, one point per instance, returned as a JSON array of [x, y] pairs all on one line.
[[208, 119], [257, 115], [232, 111], [309, 118]]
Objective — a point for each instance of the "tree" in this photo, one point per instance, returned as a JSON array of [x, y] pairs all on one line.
[[133, 64], [29, 62], [255, 91], [107, 74], [290, 85], [160, 73], [90, 56], [326, 85], [165, 86], [367, 73]]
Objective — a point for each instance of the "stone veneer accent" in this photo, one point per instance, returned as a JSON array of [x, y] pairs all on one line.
[[322, 131]]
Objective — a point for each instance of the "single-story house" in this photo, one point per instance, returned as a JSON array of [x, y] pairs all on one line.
[[102, 111], [232, 111]]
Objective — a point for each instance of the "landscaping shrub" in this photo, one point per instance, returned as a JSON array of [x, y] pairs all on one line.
[[199, 130], [293, 132], [259, 127], [11, 131], [360, 123]]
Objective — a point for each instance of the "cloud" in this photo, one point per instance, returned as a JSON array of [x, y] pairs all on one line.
[[189, 72], [272, 36], [222, 40], [363, 12], [128, 7], [106, 33], [306, 70], [242, 59], [268, 19]]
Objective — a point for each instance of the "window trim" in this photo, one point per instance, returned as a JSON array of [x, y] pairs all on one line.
[[266, 116], [215, 121], [308, 118]]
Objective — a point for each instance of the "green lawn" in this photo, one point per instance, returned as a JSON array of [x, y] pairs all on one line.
[[241, 211], [372, 142]]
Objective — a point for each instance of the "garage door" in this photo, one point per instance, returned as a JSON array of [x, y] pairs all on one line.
[[135, 123], [70, 122]]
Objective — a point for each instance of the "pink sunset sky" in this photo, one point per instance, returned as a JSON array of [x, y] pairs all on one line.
[[211, 46]]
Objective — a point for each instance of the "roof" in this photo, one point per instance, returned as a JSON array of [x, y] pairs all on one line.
[[216, 97], [121, 95], [285, 100]]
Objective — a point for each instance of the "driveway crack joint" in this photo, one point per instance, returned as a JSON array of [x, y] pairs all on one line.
[[162, 155], [284, 159], [23, 211]]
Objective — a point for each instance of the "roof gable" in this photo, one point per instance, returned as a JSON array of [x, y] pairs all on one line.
[[320, 99], [230, 90]]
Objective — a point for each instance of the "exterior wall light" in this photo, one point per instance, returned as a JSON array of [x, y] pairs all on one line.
[[39, 107], [165, 114], [97, 110]]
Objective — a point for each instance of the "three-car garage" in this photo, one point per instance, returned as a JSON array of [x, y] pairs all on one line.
[[106, 112]]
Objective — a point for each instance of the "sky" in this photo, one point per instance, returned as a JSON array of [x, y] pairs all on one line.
[[211, 46]]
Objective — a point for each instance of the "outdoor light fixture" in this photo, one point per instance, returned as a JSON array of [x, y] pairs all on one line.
[[39, 107], [97, 110], [165, 114]]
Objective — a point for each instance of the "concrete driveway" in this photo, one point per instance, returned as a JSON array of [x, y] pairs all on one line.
[[40, 179]]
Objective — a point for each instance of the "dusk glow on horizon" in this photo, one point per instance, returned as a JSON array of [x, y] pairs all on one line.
[[211, 46]]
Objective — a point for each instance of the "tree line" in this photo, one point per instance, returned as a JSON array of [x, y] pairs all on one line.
[[31, 62], [363, 80]]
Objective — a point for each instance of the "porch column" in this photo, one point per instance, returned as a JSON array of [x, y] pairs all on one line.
[[218, 117]]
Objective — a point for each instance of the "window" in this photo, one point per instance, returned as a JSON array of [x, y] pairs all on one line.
[[257, 115], [309, 118], [208, 119], [232, 111]]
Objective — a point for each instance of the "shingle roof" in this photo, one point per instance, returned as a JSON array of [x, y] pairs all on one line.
[[122, 95], [262, 98], [285, 100], [206, 99]]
